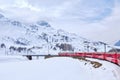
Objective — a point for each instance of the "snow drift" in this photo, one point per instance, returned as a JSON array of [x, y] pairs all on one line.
[[58, 69]]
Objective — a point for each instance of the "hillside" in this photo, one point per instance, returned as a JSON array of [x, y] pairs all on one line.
[[41, 37]]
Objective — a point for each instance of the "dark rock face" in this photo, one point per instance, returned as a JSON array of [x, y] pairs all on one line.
[[22, 41], [16, 23], [43, 23], [2, 45], [65, 47]]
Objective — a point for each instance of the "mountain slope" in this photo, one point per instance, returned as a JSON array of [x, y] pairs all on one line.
[[41, 37], [117, 43]]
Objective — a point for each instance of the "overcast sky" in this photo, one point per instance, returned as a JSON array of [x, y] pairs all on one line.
[[92, 19]]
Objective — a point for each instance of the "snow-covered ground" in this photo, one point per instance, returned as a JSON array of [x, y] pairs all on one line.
[[55, 69]]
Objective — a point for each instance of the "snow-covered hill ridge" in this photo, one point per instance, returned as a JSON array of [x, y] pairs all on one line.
[[17, 37]]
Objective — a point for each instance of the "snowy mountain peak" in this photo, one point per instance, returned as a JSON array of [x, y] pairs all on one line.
[[40, 35]]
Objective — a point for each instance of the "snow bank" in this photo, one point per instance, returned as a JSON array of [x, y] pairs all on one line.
[[58, 69], [10, 58]]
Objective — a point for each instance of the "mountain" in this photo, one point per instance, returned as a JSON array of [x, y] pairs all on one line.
[[40, 37], [117, 43]]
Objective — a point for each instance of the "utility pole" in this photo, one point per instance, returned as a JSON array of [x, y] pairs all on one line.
[[115, 54], [105, 46], [87, 45], [49, 43], [88, 48]]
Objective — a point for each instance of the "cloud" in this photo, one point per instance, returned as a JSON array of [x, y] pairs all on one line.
[[93, 19], [64, 9], [107, 29], [87, 11], [112, 24], [20, 9]]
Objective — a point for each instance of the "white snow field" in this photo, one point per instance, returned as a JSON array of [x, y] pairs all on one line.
[[56, 69]]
